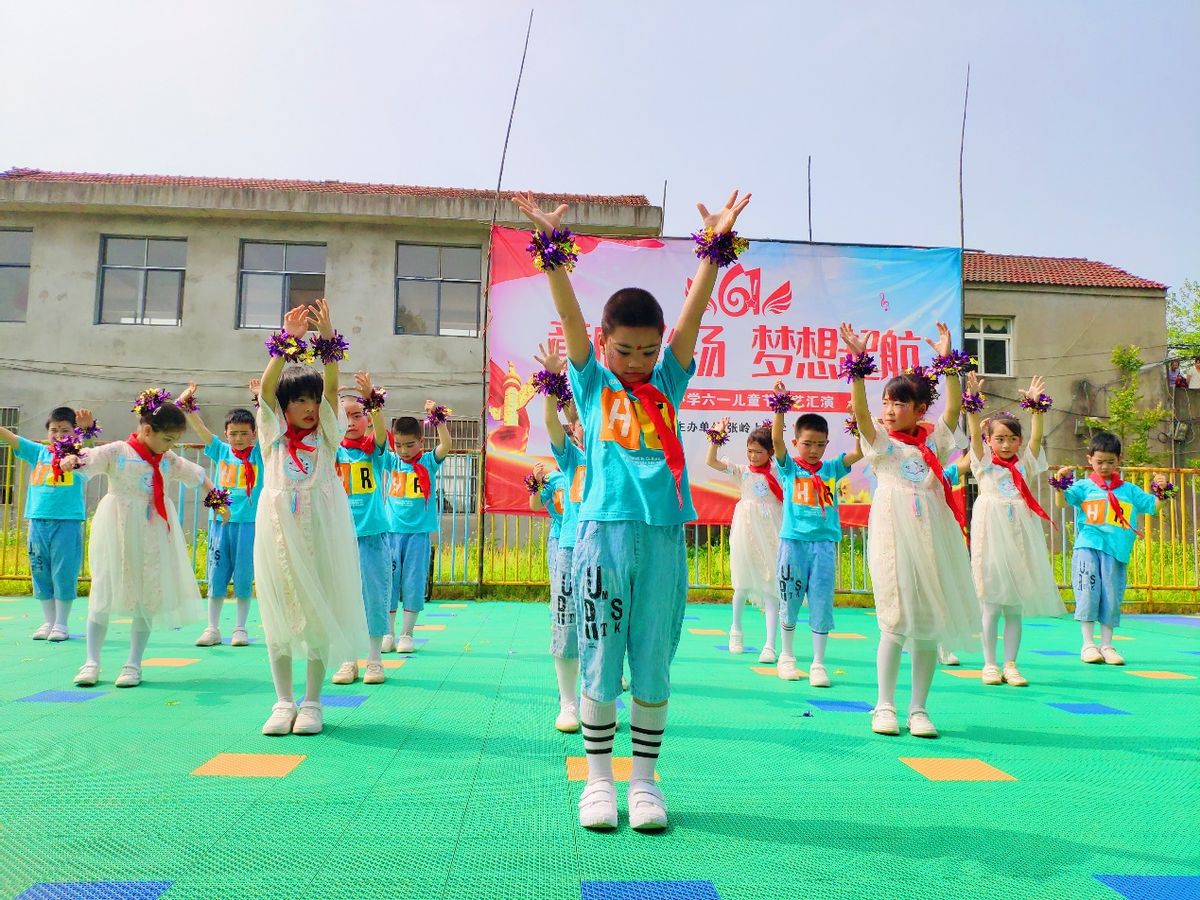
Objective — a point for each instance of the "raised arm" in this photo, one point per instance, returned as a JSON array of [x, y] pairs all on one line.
[[445, 442], [942, 346], [710, 459], [777, 427], [193, 419], [535, 499], [565, 302], [858, 387], [975, 419], [854, 455], [295, 323], [552, 363], [362, 381], [9, 437], [687, 327], [1037, 419], [320, 320]]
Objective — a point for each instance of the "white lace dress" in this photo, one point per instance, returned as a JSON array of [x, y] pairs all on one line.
[[920, 568], [1008, 546], [754, 537], [140, 566], [305, 552]]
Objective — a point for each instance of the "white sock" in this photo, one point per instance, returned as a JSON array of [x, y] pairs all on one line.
[[771, 609], [598, 721], [96, 630], [375, 648], [281, 674], [215, 605], [1012, 636], [646, 727], [243, 612], [567, 673], [48, 611], [314, 680], [1106, 633], [788, 635], [739, 604], [991, 624], [1089, 633], [819, 643], [139, 636], [924, 662], [392, 622], [887, 670], [409, 622], [62, 612]]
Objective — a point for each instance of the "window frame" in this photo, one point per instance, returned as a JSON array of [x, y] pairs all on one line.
[[285, 273], [102, 269], [977, 334], [438, 280], [28, 267]]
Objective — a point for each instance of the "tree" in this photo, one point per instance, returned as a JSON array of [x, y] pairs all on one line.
[[1183, 318], [1126, 419]]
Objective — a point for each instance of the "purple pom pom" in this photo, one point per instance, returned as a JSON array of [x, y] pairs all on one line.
[[374, 400], [188, 405], [1040, 404], [90, 433], [216, 498], [150, 401], [972, 403], [851, 426], [1166, 491], [439, 415], [956, 362], [722, 249], [1061, 484], [330, 349], [534, 484], [553, 384], [292, 349], [781, 402], [554, 250], [718, 437], [857, 365]]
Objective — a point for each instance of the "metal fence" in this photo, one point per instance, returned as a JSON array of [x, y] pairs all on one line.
[[477, 552]]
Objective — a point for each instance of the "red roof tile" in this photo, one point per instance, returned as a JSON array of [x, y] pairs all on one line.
[[325, 187], [1068, 271]]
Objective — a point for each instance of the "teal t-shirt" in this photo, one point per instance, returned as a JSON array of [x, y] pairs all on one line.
[[362, 476], [553, 497], [570, 462], [47, 498], [803, 517], [627, 479], [409, 512], [231, 475], [1096, 525]]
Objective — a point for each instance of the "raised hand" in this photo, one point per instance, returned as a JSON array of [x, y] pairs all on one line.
[[1064, 471], [723, 220], [429, 406], [362, 381], [943, 345], [549, 360], [779, 387], [974, 383], [295, 321], [84, 418], [853, 341], [544, 221], [1036, 388], [185, 395], [722, 425], [255, 385], [539, 471], [318, 315], [1160, 479]]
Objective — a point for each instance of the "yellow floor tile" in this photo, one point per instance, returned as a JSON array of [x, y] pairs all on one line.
[[964, 673], [622, 766], [386, 663], [250, 765], [169, 662], [955, 769], [712, 631], [452, 605], [1165, 676], [847, 636], [429, 627]]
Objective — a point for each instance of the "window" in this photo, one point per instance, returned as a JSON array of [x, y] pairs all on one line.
[[15, 248], [437, 290], [141, 280], [276, 278], [989, 340]]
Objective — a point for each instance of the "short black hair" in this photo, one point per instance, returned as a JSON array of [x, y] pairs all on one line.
[[62, 414], [762, 437], [633, 308], [1105, 442], [1007, 419], [812, 422], [914, 389], [167, 417], [240, 416], [299, 383], [407, 426]]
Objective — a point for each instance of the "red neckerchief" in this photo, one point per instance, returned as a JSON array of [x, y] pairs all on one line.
[[247, 467], [772, 482], [422, 474], [649, 397], [824, 494], [295, 442], [1022, 486], [56, 466], [1109, 487], [366, 443], [153, 460], [931, 460]]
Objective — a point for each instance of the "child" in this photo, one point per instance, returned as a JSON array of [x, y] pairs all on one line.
[[1008, 547], [230, 546], [360, 462], [753, 533], [414, 511], [306, 560], [808, 546], [139, 561], [1106, 511], [56, 509], [630, 562], [916, 552]]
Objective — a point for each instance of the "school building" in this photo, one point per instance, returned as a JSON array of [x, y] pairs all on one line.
[[110, 283]]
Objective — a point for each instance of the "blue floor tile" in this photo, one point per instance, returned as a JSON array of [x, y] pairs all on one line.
[[1153, 887], [648, 890], [841, 705], [62, 697], [351, 700], [1090, 709], [96, 890]]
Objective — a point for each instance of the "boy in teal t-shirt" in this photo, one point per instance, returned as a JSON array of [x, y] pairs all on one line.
[[56, 509]]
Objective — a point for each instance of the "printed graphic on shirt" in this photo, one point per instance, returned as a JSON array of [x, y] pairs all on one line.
[[558, 502], [1100, 512], [298, 473], [405, 486], [357, 477], [43, 476], [233, 475], [577, 484], [804, 492], [626, 423]]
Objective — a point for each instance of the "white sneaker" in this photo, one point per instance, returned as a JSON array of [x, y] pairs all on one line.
[[309, 719], [947, 657], [131, 676], [347, 673], [991, 675], [43, 632], [209, 637], [817, 676], [88, 675], [58, 634], [598, 805], [647, 808], [735, 642], [239, 638], [281, 720], [1112, 657], [568, 717], [787, 668], [884, 721], [1091, 654], [404, 643], [389, 643], [374, 674], [920, 725], [767, 656], [1012, 675]]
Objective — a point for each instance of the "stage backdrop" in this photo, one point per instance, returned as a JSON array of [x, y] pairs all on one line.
[[774, 314]]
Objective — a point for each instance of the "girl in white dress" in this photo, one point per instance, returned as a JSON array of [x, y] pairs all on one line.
[[754, 534], [305, 553], [917, 552], [139, 560], [1008, 544]]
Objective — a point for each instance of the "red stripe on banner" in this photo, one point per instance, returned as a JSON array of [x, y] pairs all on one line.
[[751, 399], [511, 260]]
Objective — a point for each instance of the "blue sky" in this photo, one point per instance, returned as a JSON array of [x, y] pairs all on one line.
[[1082, 138]]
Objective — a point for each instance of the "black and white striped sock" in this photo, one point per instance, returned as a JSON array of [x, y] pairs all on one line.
[[646, 725], [598, 722]]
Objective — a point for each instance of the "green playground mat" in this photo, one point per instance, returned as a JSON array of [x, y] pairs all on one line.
[[450, 780]]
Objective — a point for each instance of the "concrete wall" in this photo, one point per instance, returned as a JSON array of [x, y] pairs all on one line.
[[1067, 336]]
